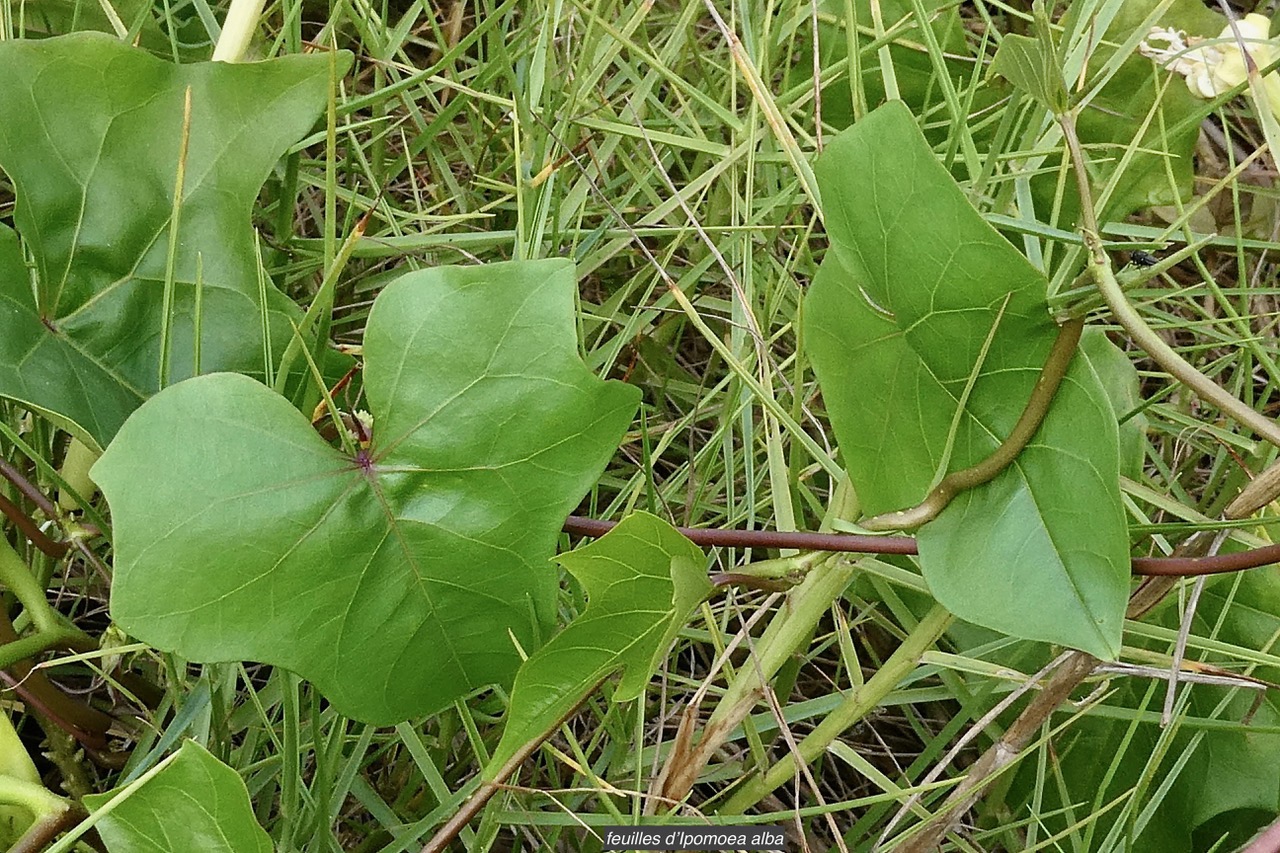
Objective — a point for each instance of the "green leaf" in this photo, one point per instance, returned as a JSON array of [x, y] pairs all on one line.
[[60, 17], [391, 579], [90, 132], [917, 296], [1031, 66], [195, 803], [642, 580], [1120, 380]]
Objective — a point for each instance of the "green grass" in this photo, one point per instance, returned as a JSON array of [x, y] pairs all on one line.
[[630, 137]]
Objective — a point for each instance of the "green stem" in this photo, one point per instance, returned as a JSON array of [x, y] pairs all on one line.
[[238, 30], [1164, 355], [17, 577], [787, 631], [856, 706], [790, 629], [1131, 321], [51, 629], [1046, 388], [32, 796]]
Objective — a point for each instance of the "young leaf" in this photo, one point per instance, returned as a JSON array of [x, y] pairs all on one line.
[[90, 133], [194, 803], [642, 580], [394, 579], [918, 306], [1030, 65]]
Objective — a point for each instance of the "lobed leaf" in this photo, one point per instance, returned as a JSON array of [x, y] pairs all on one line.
[[394, 579], [90, 133]]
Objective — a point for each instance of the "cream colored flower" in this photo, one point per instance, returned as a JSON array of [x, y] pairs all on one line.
[[1216, 66]]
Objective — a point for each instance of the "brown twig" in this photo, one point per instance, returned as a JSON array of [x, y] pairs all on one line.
[[1174, 566], [31, 530], [11, 473], [1267, 841]]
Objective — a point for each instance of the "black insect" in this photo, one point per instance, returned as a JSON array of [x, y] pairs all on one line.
[[1143, 259]]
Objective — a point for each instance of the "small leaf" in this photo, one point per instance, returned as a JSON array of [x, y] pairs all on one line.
[[642, 580], [919, 305], [392, 579], [195, 803], [1031, 66], [89, 135]]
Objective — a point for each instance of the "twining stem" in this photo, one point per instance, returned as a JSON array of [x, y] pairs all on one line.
[[1131, 321], [51, 629], [855, 706], [238, 30], [856, 543], [1164, 355], [1051, 375], [31, 530], [789, 629]]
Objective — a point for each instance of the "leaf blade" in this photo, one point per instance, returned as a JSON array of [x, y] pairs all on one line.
[[929, 298], [364, 573]]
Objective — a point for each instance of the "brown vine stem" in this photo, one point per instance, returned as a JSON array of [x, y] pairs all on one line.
[[83, 722], [11, 473], [1173, 566], [1267, 841], [1046, 388], [32, 531]]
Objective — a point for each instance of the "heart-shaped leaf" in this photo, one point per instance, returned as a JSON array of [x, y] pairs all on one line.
[[390, 579], [90, 135], [195, 803], [642, 580], [928, 332]]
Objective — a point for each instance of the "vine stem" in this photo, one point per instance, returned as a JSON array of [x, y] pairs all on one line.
[[238, 30], [855, 543], [791, 628], [51, 629], [855, 706], [1028, 424], [31, 530], [1131, 321]]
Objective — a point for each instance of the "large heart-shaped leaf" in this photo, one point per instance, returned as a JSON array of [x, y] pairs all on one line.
[[90, 135], [194, 803], [928, 332], [391, 579], [642, 580]]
